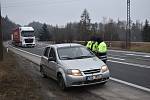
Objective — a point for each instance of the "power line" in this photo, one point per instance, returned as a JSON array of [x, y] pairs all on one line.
[[36, 4], [20, 1]]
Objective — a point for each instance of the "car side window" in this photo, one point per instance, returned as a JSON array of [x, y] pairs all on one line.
[[46, 51], [52, 53]]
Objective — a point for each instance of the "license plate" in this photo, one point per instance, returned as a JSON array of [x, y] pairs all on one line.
[[94, 77]]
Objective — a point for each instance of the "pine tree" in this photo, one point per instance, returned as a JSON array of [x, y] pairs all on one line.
[[146, 32], [7, 26], [85, 24], [44, 34]]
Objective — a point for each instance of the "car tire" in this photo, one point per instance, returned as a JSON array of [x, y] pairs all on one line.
[[61, 82], [42, 72]]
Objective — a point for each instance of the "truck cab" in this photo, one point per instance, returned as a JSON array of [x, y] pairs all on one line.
[[27, 37], [23, 36]]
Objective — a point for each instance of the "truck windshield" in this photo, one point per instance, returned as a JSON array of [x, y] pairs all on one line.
[[77, 52], [27, 33]]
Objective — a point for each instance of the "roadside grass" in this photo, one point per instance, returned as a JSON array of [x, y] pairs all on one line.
[[141, 48], [135, 46], [14, 83], [120, 45]]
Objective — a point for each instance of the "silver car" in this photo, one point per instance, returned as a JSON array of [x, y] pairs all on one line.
[[73, 64]]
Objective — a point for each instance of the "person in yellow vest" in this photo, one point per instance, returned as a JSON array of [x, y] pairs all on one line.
[[90, 43], [102, 50], [95, 47]]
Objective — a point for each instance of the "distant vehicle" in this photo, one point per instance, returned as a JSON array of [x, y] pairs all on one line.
[[73, 64], [23, 36]]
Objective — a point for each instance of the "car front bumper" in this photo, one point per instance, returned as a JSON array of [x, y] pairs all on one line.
[[82, 80]]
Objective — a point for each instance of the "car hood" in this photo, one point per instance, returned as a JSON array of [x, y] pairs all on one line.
[[83, 64]]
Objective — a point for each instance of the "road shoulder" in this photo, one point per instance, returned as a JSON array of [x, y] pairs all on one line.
[[15, 84]]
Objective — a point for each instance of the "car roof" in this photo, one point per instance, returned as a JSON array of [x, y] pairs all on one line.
[[64, 45]]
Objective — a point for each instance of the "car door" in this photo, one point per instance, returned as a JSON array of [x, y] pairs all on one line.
[[52, 63], [45, 60]]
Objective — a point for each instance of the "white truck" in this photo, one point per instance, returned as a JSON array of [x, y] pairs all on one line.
[[23, 36]]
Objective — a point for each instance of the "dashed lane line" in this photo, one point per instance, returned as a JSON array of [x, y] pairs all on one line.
[[130, 84], [116, 58], [136, 65], [131, 52]]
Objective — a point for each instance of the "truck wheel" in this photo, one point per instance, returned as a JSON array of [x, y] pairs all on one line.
[[42, 72], [61, 82]]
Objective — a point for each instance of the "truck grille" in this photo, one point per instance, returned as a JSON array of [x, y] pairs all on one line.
[[91, 71], [28, 40]]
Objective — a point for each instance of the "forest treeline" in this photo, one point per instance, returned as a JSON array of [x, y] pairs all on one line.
[[108, 29]]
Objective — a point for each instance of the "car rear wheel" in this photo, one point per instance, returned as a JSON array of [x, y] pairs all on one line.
[[42, 72], [61, 82]]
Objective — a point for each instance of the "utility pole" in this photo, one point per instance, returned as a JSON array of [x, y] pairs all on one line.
[[128, 27], [1, 37]]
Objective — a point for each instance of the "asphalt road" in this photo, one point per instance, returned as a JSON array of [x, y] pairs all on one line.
[[112, 90], [132, 67], [50, 90]]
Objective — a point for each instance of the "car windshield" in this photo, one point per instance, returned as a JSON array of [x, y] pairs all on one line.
[[27, 33], [77, 52]]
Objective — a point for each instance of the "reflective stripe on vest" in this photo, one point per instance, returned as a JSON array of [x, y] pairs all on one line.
[[102, 47]]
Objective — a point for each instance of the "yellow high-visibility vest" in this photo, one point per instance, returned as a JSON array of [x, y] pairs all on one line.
[[95, 47], [102, 47], [89, 44]]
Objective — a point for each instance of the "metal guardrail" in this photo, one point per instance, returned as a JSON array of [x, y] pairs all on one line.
[[32, 57]]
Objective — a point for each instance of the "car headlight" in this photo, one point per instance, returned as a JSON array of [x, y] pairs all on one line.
[[104, 69], [74, 72]]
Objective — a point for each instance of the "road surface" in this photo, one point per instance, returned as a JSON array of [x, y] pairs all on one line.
[[122, 66], [132, 67]]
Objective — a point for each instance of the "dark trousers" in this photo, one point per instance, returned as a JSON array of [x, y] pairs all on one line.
[[102, 56]]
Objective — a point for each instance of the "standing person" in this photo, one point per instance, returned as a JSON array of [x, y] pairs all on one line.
[[95, 47], [102, 50], [90, 43]]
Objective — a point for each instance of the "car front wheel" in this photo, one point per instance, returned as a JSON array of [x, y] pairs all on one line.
[[61, 82]]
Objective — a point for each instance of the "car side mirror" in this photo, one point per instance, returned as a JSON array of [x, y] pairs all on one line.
[[51, 59]]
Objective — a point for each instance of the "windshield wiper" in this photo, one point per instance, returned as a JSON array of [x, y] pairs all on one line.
[[83, 56], [65, 57]]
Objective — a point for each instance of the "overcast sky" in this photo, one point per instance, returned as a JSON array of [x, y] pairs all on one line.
[[62, 11]]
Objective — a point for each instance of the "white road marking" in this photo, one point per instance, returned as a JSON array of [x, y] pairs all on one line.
[[130, 84], [147, 56], [137, 65], [131, 52], [25, 51], [117, 55], [116, 58], [117, 80]]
